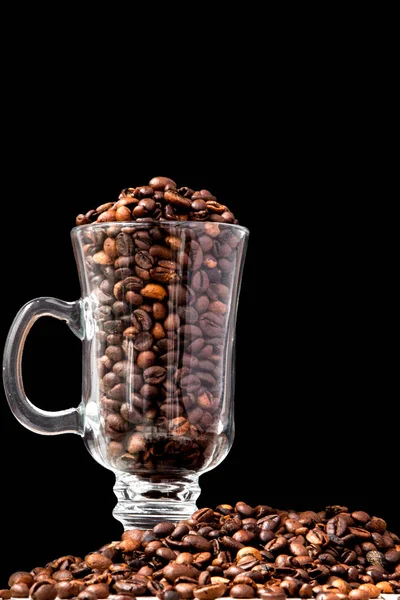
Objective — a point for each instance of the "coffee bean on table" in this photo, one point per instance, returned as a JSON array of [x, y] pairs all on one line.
[[42, 590], [21, 590], [100, 590]]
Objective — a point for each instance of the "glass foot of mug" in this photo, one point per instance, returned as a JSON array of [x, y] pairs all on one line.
[[145, 501]]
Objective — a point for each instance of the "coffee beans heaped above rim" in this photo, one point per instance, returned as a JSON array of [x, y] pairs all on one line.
[[162, 295], [160, 200], [238, 552]]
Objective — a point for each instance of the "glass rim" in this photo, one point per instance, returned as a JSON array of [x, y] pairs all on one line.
[[183, 224]]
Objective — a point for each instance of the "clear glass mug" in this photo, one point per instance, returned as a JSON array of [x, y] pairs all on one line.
[[157, 321]]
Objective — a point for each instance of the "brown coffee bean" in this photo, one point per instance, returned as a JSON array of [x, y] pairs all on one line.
[[372, 590], [211, 324], [143, 341], [306, 591], [218, 307], [165, 554], [98, 561], [197, 543], [189, 332], [161, 252], [154, 291], [136, 443], [21, 590], [185, 590], [146, 191], [179, 426], [144, 260], [146, 359], [101, 258], [272, 593], [172, 322], [159, 183], [100, 590], [177, 201], [114, 353], [385, 587], [159, 311], [358, 594], [110, 249], [124, 244], [141, 318], [41, 590], [133, 298], [154, 375], [174, 571], [361, 516], [392, 556], [21, 577], [241, 590], [107, 215], [376, 525], [80, 220], [200, 282], [68, 589], [328, 596], [376, 558], [123, 213], [210, 591]]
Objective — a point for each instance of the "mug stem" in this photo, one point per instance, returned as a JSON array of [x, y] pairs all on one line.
[[145, 501]]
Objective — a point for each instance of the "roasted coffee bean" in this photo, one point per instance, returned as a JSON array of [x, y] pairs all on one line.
[[177, 201], [154, 291], [41, 590], [159, 183], [211, 324], [68, 589], [142, 319], [210, 591], [21, 590], [143, 341], [145, 360], [100, 590], [21, 577], [174, 571], [200, 282], [241, 590], [392, 557], [272, 593], [376, 525], [155, 375], [124, 244], [197, 543], [164, 529], [144, 260]]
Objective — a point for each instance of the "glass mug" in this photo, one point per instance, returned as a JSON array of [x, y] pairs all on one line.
[[157, 321]]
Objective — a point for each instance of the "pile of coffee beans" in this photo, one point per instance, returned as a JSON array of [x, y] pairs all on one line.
[[239, 552], [162, 268], [158, 201]]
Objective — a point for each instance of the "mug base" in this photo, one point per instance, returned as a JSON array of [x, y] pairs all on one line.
[[145, 501]]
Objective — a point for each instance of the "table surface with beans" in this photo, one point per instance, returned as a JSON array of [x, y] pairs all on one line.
[[381, 597], [233, 551]]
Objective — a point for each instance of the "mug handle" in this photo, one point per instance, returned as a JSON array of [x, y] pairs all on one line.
[[33, 418]]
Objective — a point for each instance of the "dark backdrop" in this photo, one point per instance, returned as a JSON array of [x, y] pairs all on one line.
[[316, 417]]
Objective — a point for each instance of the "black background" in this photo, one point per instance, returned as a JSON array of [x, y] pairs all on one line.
[[316, 414]]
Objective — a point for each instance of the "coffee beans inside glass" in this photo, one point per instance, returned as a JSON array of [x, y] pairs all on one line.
[[157, 321]]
